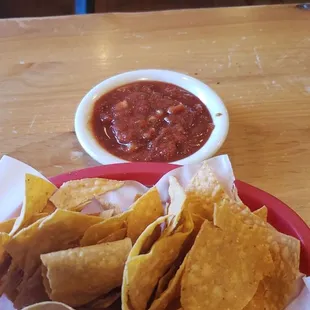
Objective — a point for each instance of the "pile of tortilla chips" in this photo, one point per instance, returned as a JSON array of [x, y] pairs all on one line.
[[207, 251], [213, 253], [53, 251]]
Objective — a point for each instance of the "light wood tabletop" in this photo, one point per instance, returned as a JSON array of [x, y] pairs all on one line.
[[256, 58]]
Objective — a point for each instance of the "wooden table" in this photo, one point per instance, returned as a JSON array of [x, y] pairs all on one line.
[[256, 58]]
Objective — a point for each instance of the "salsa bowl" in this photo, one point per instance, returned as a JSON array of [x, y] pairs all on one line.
[[207, 96]]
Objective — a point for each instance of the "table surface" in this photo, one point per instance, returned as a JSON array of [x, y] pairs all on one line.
[[256, 58]]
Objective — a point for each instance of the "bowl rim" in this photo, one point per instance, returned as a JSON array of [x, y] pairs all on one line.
[[155, 171], [207, 95]]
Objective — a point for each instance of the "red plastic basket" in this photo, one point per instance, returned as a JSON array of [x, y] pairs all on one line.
[[282, 217]]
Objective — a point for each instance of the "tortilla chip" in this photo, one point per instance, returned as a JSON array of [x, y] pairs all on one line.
[[259, 302], [78, 276], [117, 210], [135, 251], [49, 305], [163, 253], [164, 281], [264, 299], [226, 264], [204, 190], [151, 239], [4, 262], [277, 289], [5, 228], [285, 252], [107, 205], [106, 214], [72, 195], [11, 281], [262, 213], [37, 192], [5, 238], [7, 225], [31, 291], [137, 197], [105, 301], [232, 224], [60, 230], [177, 198], [115, 236], [99, 231], [143, 212], [171, 293], [49, 208], [137, 290], [36, 217]]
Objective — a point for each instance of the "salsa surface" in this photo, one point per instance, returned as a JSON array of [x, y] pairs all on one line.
[[151, 121]]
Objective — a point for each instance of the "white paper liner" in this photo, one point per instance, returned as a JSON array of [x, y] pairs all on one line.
[[12, 175], [12, 185]]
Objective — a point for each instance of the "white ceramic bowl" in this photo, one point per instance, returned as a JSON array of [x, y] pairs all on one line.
[[212, 101]]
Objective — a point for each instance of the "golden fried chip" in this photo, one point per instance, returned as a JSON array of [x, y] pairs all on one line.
[[106, 214], [245, 214], [5, 228], [137, 290], [7, 225], [143, 212], [37, 192], [137, 197], [36, 217], [171, 293], [99, 231], [165, 279], [49, 305], [105, 206], [262, 213], [258, 301], [117, 210], [49, 208], [177, 198], [105, 301], [60, 230], [151, 239], [5, 238], [11, 281], [72, 195], [115, 236], [285, 252], [135, 251], [78, 276], [232, 224], [225, 265], [4, 259], [203, 191], [31, 291], [136, 294], [276, 290]]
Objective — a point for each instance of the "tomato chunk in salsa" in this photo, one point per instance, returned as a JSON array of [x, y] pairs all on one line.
[[151, 121]]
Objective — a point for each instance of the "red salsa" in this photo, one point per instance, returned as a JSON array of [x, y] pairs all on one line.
[[151, 121]]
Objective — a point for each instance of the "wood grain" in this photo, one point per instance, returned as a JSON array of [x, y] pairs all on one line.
[[256, 58]]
